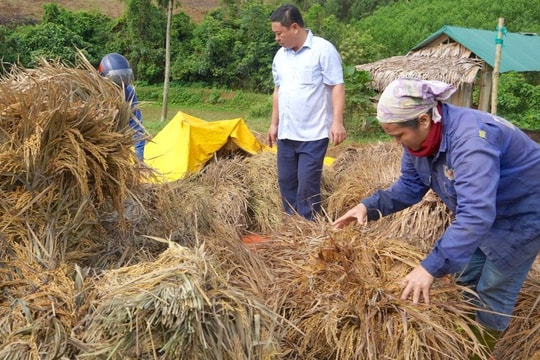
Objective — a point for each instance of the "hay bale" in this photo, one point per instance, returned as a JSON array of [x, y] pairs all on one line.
[[179, 211], [265, 205], [341, 291], [180, 307], [199, 204], [230, 199], [421, 224], [359, 171], [66, 143], [39, 309]]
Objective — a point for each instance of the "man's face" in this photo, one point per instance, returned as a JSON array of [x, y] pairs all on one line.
[[286, 37], [410, 137]]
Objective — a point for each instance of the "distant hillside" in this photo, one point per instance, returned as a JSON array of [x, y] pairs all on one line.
[[31, 11]]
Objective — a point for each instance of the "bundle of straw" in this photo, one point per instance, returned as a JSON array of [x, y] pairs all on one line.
[[341, 291], [265, 205], [230, 199], [358, 172], [39, 309], [421, 224], [65, 145], [178, 307]]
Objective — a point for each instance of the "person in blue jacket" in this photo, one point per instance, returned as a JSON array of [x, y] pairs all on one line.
[[116, 67], [486, 171]]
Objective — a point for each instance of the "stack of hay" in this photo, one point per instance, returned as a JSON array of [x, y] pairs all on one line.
[[65, 159], [341, 292], [74, 206], [85, 276], [181, 306]]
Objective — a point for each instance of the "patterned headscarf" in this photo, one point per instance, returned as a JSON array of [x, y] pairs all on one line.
[[406, 99]]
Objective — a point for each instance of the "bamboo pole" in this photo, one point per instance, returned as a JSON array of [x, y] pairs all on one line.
[[498, 50]]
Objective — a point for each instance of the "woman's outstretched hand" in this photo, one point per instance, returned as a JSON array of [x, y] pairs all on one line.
[[358, 213]]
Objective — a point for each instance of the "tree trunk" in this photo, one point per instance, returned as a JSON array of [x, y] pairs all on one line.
[[167, 62]]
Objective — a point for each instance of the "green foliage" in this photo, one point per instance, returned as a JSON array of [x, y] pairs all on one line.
[[93, 27], [202, 95], [322, 24], [255, 50], [230, 52], [144, 42], [182, 28], [261, 109], [49, 41], [359, 110], [57, 37], [214, 97], [233, 46], [177, 95], [402, 25], [7, 46], [519, 101], [209, 56], [359, 48]]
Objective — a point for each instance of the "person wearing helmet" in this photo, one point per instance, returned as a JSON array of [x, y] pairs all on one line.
[[116, 67]]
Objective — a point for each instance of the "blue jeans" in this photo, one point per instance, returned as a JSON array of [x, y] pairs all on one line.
[[497, 291], [299, 165]]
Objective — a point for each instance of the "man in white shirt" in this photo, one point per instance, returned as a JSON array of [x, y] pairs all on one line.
[[307, 111]]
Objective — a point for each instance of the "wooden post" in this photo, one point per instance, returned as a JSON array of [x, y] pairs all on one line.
[[486, 79], [498, 50]]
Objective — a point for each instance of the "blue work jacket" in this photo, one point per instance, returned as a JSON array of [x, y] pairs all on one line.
[[487, 172], [136, 121]]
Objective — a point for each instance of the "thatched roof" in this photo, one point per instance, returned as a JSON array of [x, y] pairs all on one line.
[[520, 53], [449, 63]]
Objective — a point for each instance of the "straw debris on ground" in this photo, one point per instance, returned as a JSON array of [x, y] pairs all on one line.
[[98, 262]]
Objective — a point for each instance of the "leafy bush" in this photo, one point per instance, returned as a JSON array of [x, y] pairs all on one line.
[[262, 109], [233, 46], [519, 101], [359, 109]]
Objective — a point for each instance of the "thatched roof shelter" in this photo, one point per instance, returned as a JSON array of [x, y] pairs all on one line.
[[459, 56], [448, 63]]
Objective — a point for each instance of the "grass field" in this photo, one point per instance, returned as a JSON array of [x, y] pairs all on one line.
[[153, 124], [212, 104], [204, 103]]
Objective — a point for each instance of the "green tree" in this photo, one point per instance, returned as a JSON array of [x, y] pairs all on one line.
[[49, 41], [7, 48], [519, 101], [402, 25], [359, 114], [321, 24], [141, 38], [211, 59], [255, 49], [92, 26], [359, 48], [57, 37], [182, 30]]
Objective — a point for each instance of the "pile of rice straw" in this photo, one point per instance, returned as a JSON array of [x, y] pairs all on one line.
[[97, 262]]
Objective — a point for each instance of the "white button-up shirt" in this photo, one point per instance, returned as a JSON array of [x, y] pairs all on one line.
[[305, 79]]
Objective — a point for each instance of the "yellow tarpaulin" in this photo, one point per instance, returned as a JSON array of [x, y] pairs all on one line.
[[186, 143]]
